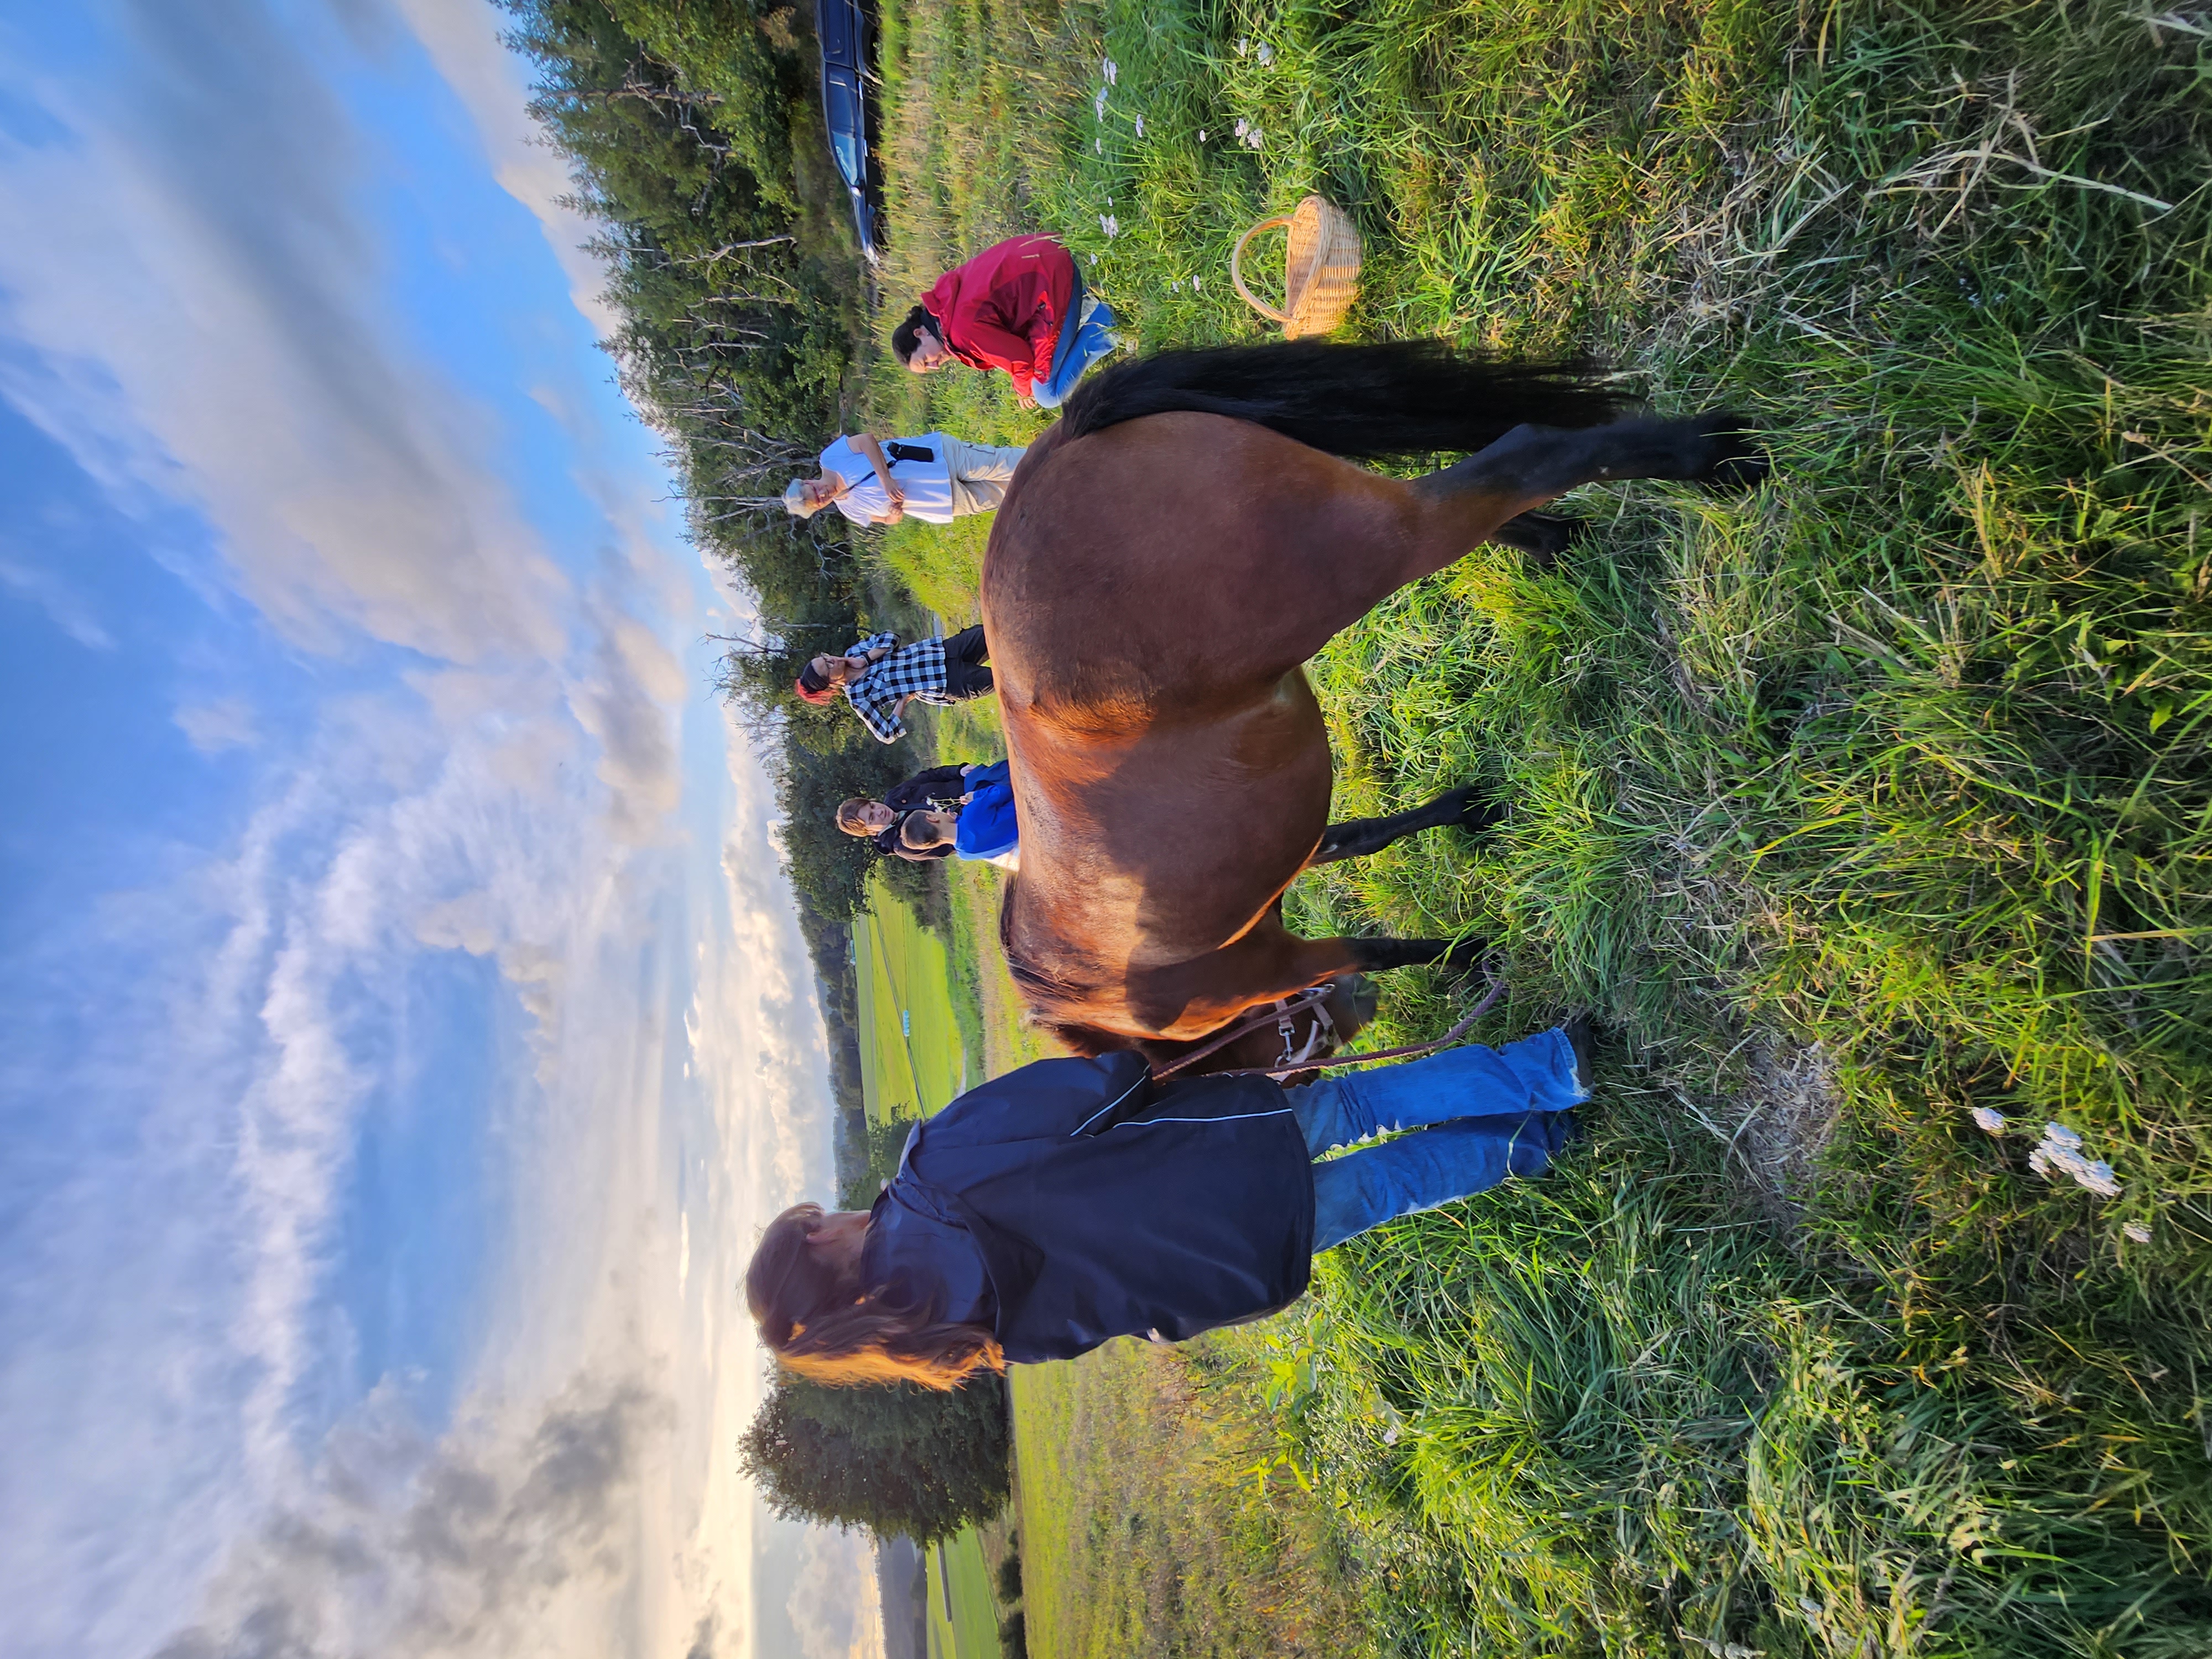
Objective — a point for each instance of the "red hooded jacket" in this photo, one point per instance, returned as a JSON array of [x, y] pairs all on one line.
[[1004, 309]]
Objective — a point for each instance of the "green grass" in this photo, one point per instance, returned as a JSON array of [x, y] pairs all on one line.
[[1870, 799], [972, 1633], [903, 969], [984, 994], [1156, 1515]]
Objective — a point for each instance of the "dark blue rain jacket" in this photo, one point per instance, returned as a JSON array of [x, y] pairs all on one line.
[[1105, 1204]]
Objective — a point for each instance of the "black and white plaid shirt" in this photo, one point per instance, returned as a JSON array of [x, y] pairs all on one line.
[[913, 670]]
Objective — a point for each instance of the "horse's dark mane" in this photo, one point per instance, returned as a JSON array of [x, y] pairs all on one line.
[[1398, 398]]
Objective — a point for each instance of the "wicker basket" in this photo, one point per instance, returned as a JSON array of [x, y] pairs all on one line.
[[1321, 268]]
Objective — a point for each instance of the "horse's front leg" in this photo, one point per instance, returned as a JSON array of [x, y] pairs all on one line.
[[1197, 998], [1358, 838], [1542, 536]]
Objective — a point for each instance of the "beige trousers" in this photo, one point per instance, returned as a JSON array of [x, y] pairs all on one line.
[[980, 474]]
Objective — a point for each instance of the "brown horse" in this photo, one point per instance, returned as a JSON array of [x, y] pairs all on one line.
[[1165, 559]]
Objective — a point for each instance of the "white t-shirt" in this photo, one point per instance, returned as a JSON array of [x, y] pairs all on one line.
[[927, 484]]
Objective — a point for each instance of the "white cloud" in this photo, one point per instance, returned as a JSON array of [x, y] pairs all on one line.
[[205, 309], [462, 36], [64, 605], [177, 1285], [224, 723], [500, 1537], [833, 1602], [201, 320]]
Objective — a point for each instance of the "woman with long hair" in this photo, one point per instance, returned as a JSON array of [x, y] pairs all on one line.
[[938, 803], [1076, 1200], [1019, 305], [879, 677]]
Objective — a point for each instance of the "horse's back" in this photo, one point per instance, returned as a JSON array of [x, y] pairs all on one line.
[[1168, 562]]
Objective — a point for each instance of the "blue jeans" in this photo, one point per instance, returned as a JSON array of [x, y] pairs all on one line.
[[1483, 1114], [1094, 339]]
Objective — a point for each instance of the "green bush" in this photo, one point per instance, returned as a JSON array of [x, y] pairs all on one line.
[[895, 1460]]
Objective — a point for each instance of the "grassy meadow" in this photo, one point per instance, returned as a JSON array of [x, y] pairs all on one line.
[[959, 1578], [1158, 1515], [1869, 808], [909, 1068]]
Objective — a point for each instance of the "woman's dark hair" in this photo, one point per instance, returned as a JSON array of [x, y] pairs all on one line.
[[833, 1329], [810, 679], [891, 844], [918, 831], [907, 335]]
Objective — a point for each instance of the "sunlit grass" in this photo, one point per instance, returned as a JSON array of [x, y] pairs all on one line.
[[1890, 779]]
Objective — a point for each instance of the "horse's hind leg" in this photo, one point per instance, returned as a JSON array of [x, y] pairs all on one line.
[[1491, 489], [1327, 542], [1355, 838]]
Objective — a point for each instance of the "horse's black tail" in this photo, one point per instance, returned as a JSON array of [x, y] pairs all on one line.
[[1363, 402]]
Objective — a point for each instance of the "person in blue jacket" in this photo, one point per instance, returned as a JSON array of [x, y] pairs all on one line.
[[981, 826], [940, 800], [1076, 1200]]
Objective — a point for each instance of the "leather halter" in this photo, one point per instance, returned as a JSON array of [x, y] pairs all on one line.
[[1285, 1010]]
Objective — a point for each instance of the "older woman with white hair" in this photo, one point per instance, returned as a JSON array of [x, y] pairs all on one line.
[[933, 479]]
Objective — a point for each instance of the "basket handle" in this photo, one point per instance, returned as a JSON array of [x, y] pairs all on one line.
[[1236, 276]]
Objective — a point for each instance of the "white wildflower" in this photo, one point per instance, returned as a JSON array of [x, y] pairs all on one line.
[[1243, 47], [1253, 137], [1098, 105], [2059, 1153], [1243, 126], [1195, 285], [1201, 134], [1140, 126], [1097, 146], [1266, 54], [1109, 70], [1094, 258], [1991, 1122], [2139, 1231], [1110, 225]]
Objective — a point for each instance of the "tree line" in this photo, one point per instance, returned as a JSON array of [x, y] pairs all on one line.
[[693, 128]]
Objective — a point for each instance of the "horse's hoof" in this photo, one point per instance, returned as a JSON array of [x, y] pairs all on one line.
[[1542, 537], [1478, 813], [1466, 956], [1734, 461]]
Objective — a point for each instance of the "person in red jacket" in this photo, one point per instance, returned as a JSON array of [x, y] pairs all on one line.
[[1021, 307]]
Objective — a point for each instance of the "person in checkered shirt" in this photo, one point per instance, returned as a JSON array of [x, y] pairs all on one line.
[[879, 677]]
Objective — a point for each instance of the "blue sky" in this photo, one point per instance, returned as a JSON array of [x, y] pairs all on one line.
[[406, 1023]]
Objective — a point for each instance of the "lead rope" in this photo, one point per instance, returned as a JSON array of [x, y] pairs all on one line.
[[1282, 1009], [1313, 996]]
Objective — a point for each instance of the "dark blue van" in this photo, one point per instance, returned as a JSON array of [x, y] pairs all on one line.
[[842, 28]]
